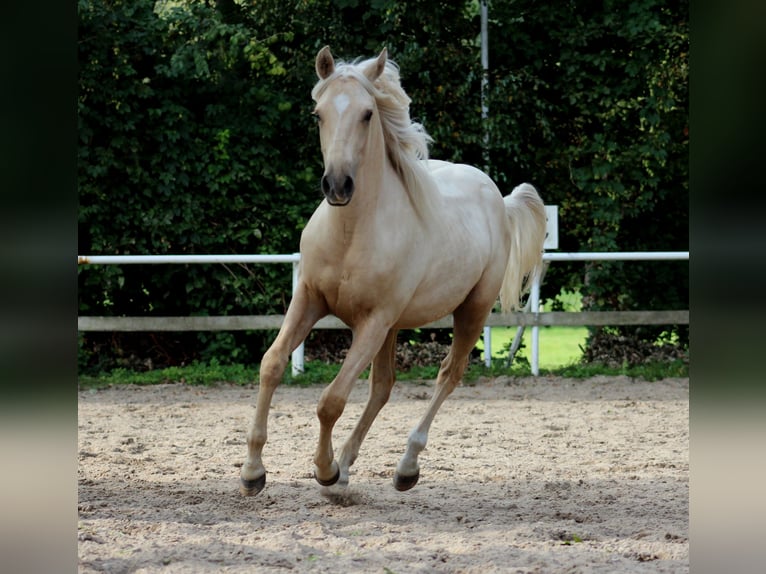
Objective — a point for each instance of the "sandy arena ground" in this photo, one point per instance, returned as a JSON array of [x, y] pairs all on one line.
[[519, 475]]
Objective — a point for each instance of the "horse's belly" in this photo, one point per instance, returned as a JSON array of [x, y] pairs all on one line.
[[416, 315], [354, 297], [437, 299]]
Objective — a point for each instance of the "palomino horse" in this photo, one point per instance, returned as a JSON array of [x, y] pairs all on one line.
[[398, 242]]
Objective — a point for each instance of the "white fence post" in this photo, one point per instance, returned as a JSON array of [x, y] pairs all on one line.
[[298, 367], [487, 346], [534, 297]]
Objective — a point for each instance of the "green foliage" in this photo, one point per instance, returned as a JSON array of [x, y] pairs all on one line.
[[195, 137], [178, 154], [195, 374], [601, 104], [653, 371]]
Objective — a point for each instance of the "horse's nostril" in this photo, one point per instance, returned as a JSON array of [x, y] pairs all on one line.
[[340, 189], [348, 186]]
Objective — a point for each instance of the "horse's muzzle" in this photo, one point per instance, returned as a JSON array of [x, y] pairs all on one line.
[[338, 190]]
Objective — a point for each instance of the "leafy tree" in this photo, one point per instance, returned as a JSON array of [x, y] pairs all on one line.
[[195, 137], [178, 117], [600, 112]]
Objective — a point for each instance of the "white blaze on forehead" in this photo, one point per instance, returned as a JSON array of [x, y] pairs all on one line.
[[341, 102]]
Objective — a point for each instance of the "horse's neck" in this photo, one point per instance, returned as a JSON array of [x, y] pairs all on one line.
[[379, 195], [380, 225]]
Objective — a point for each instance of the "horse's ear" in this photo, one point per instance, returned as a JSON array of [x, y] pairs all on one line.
[[375, 69], [325, 65]]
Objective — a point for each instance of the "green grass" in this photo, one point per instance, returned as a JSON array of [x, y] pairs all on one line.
[[194, 374], [559, 346], [321, 373]]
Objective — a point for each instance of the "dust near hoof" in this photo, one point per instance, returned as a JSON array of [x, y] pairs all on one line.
[[342, 496]]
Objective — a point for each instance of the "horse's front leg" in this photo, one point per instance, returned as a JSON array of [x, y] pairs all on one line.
[[382, 378], [301, 316], [367, 340]]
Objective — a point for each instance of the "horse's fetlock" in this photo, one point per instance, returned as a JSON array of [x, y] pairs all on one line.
[[417, 440], [256, 440]]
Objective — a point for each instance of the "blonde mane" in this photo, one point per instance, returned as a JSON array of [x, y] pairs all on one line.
[[406, 141]]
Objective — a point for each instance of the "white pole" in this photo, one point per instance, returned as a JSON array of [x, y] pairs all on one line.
[[297, 357], [485, 138], [484, 83], [520, 330], [618, 256], [487, 346], [165, 259], [263, 258], [534, 297]]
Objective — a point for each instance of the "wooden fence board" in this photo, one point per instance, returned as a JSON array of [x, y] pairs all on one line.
[[273, 322]]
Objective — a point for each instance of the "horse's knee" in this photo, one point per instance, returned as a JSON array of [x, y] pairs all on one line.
[[272, 367], [329, 409]]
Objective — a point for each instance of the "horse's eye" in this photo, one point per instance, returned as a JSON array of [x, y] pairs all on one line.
[[316, 117], [367, 116]]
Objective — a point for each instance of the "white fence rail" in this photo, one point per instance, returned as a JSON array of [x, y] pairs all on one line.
[[533, 318], [159, 259]]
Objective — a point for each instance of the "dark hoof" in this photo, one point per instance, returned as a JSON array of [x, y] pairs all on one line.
[[252, 487], [402, 483], [330, 482]]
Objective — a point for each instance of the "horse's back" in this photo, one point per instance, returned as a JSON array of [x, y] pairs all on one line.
[[470, 246], [459, 179], [470, 197]]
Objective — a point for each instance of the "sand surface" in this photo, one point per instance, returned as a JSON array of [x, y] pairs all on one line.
[[519, 475]]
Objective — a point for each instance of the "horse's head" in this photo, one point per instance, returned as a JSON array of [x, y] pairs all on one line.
[[345, 112]]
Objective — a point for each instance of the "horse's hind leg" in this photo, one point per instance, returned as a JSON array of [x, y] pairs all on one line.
[[382, 377], [469, 321], [301, 316]]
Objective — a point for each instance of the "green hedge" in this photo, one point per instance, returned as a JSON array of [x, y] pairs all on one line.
[[195, 137]]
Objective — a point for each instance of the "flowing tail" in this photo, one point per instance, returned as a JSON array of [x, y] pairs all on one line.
[[526, 213]]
